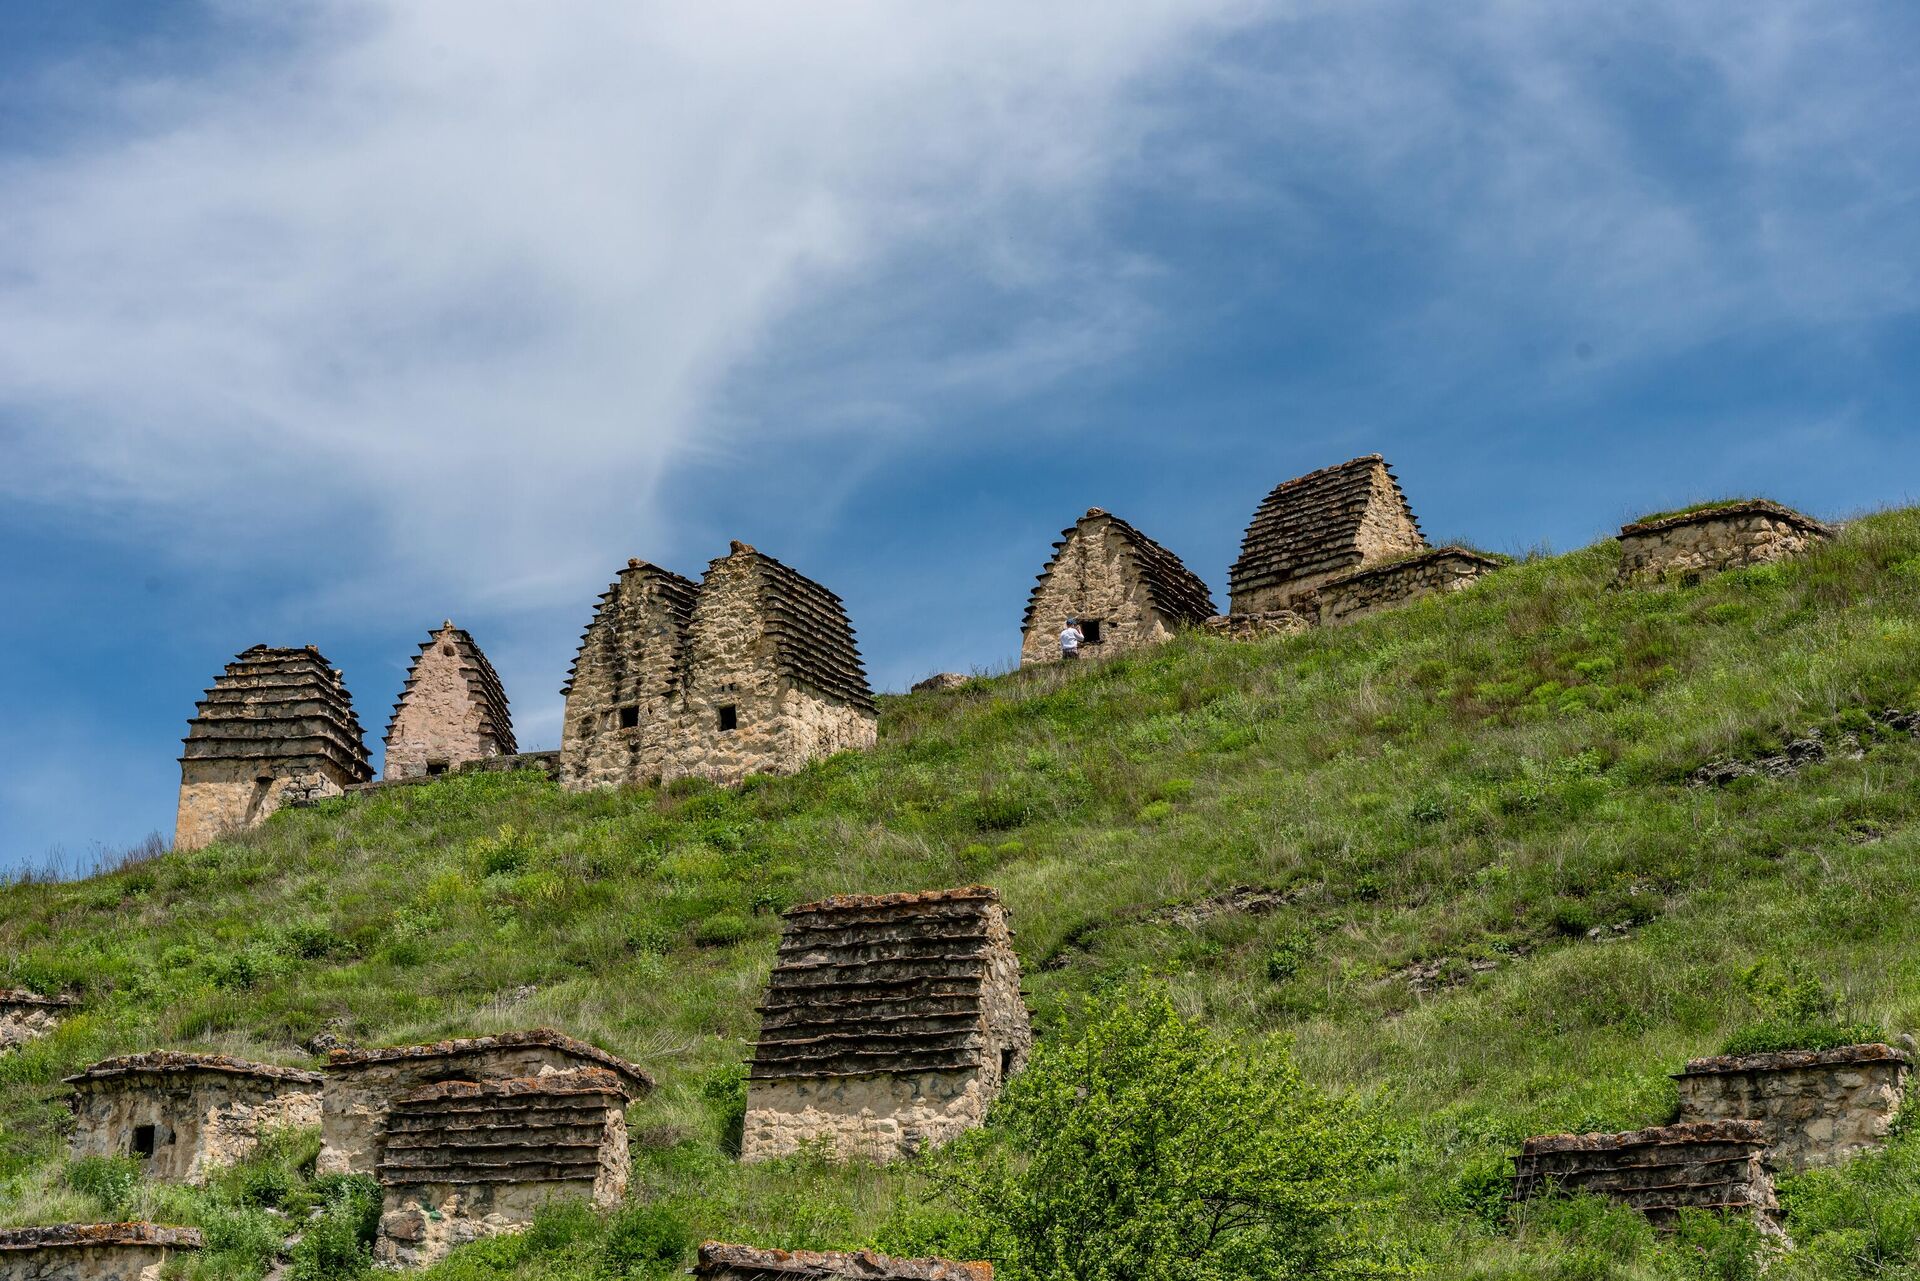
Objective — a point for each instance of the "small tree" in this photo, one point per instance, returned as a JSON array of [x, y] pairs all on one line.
[[1144, 1147]]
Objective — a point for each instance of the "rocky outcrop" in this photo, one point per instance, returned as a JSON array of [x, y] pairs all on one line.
[[890, 1023], [1816, 1107], [277, 727], [1127, 591], [451, 710], [92, 1251], [1715, 1165], [1690, 544], [186, 1115], [1318, 526], [721, 1262]]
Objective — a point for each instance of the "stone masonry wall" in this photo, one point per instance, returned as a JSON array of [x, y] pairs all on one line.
[[1097, 573], [222, 797], [629, 668], [1443, 569], [1710, 1166], [451, 711], [92, 1251], [1818, 1108], [466, 1160], [202, 1119], [1721, 538], [28, 1016], [719, 1261]]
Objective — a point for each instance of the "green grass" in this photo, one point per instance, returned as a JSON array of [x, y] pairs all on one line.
[[1485, 790], [1711, 504]]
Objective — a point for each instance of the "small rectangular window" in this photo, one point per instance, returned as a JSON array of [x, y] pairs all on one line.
[[729, 718], [436, 768], [629, 717], [144, 1137], [1006, 1062], [1090, 628]]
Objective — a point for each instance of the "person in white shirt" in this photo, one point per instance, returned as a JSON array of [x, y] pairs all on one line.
[[1070, 638]]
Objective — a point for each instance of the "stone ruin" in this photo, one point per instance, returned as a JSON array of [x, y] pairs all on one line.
[[28, 1016], [184, 1115], [1333, 545], [752, 670], [1128, 591], [721, 1262], [276, 728], [92, 1251], [1725, 536], [891, 1021], [1816, 1107], [1706, 1165], [451, 710], [470, 1159], [363, 1085]]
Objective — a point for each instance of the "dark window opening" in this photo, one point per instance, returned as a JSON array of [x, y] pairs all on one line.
[[1006, 1062], [1090, 629], [729, 718], [629, 717], [586, 726], [144, 1137], [436, 768]]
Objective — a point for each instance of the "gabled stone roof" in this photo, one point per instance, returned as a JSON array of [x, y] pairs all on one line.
[[812, 635], [1175, 591], [537, 1129], [675, 593], [750, 1264], [483, 686], [1792, 1060], [1311, 524], [346, 1060], [1724, 511], [865, 984], [166, 1062], [82, 1235], [279, 705]]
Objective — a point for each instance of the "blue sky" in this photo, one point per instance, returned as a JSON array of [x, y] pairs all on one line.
[[319, 327]]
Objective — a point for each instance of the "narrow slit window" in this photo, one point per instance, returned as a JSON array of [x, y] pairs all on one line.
[[1090, 628], [729, 718], [144, 1139], [1006, 1062], [629, 717]]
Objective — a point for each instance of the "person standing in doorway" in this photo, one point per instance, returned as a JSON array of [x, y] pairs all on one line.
[[1070, 638]]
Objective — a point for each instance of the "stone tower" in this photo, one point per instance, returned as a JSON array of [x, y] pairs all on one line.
[[623, 689], [1127, 591], [773, 678], [278, 725], [1315, 527], [451, 710]]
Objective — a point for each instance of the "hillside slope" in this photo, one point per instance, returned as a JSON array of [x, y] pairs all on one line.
[[1450, 850]]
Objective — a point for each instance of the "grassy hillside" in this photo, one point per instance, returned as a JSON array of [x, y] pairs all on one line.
[[1449, 851]]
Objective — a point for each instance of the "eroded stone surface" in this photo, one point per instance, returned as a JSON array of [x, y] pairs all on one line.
[[451, 710], [276, 728], [890, 1023], [1273, 622], [1318, 526], [469, 1159], [1817, 1107], [1714, 539], [719, 1261], [186, 1115], [940, 681], [28, 1016], [1128, 592], [361, 1085], [92, 1251], [1717, 1165], [753, 670]]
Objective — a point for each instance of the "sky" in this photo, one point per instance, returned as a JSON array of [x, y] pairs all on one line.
[[324, 320]]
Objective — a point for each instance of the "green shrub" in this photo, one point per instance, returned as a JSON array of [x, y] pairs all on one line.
[[645, 1241], [112, 1182], [723, 930], [338, 1244]]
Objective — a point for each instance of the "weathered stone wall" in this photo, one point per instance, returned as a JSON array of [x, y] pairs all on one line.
[[719, 1261], [890, 1024], [1717, 1165], [465, 1160], [1429, 573], [1104, 570], [1706, 542], [1317, 527], [28, 1016], [1275, 622], [218, 798], [452, 709], [203, 1117], [362, 1085], [92, 1251], [1818, 1108], [629, 669]]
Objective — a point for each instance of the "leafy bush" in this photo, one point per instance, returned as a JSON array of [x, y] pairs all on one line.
[[111, 1181], [723, 930], [338, 1245], [1797, 1012]]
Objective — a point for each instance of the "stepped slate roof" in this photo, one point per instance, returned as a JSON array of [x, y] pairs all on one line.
[[483, 686], [1311, 524], [1793, 1060], [280, 705], [746, 1263], [537, 1129], [1711, 1165], [346, 1060], [866, 984], [69, 1235], [163, 1062], [1174, 590], [677, 596], [812, 635]]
